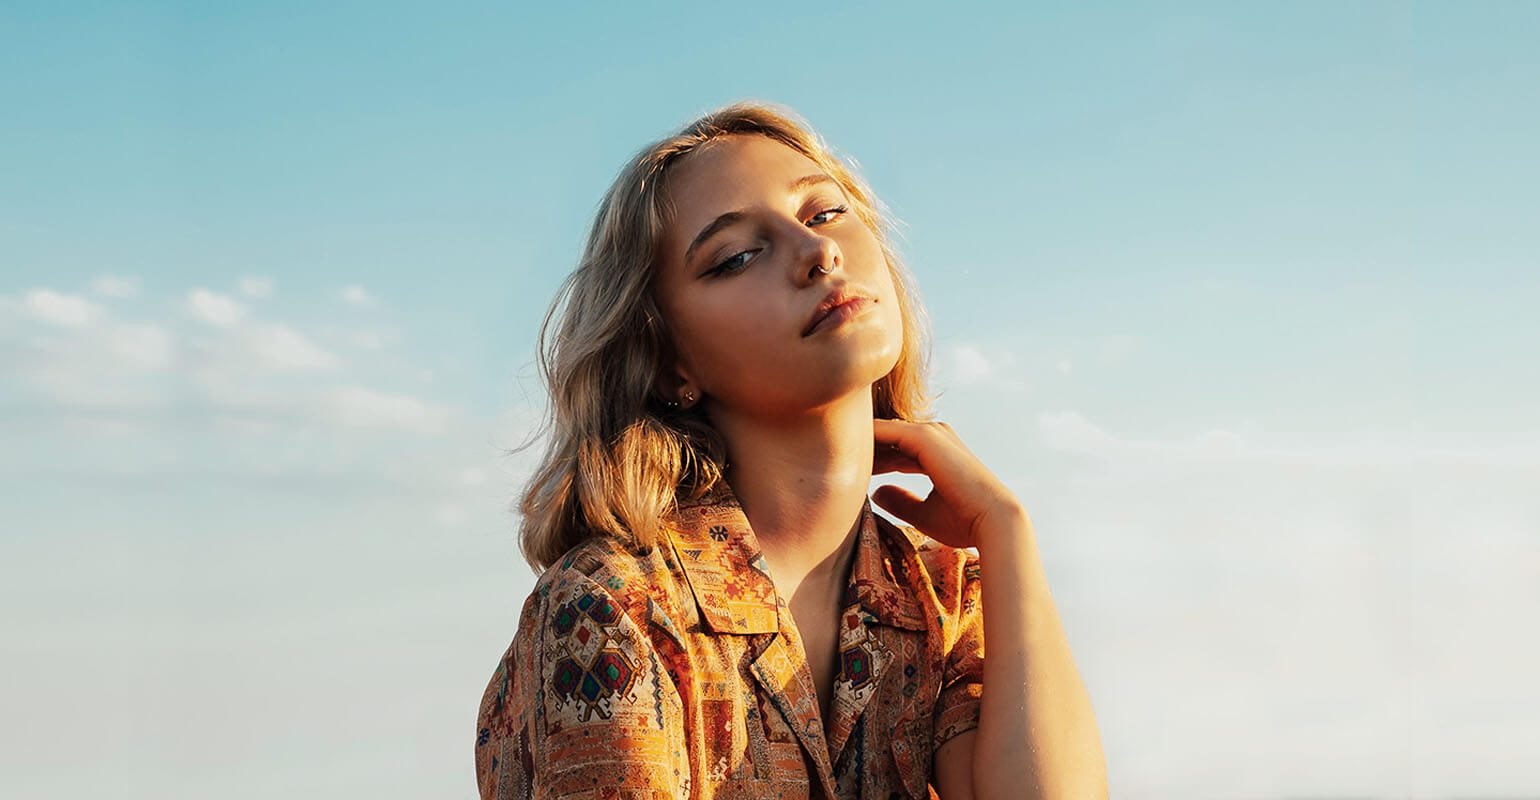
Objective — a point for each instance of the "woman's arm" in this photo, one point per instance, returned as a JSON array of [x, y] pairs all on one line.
[[1033, 685], [1036, 727], [1037, 735]]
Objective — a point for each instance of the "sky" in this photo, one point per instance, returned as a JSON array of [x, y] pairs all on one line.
[[1238, 301]]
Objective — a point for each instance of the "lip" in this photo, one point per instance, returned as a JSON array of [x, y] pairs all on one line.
[[835, 310]]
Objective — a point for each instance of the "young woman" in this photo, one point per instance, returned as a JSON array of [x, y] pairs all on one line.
[[719, 611]]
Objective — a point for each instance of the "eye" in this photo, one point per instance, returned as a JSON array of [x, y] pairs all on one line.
[[835, 210], [732, 264], [724, 267]]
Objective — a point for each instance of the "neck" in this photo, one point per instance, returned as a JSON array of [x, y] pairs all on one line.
[[802, 483]]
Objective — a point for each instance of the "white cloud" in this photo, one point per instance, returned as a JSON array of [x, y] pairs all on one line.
[[145, 345], [256, 287], [965, 363], [1070, 431], [357, 296], [374, 338], [1065, 365], [109, 370], [969, 365], [283, 347], [106, 392], [215, 309], [356, 406], [116, 286], [217, 390], [56, 308]]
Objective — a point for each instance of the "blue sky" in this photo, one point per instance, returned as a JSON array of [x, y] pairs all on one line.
[[1238, 300]]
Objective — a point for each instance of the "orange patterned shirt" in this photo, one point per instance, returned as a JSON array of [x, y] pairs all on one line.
[[679, 674]]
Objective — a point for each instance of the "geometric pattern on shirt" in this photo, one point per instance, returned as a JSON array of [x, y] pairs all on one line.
[[644, 673]]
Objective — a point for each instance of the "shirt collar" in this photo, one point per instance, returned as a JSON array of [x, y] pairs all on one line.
[[730, 580]]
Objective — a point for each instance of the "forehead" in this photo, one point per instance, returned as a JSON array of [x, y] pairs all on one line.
[[723, 175], [723, 164]]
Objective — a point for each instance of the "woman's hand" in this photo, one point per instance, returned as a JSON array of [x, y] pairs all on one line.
[[967, 498]]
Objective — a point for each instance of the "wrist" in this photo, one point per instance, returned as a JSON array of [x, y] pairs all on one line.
[[1007, 527]]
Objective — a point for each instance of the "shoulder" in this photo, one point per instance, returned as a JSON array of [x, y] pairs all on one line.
[[601, 562], [595, 635], [602, 577], [947, 578], [582, 697], [951, 571]]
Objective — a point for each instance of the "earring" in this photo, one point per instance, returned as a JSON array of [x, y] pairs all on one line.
[[689, 397]]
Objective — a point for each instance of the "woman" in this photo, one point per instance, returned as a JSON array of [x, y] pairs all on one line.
[[719, 611]]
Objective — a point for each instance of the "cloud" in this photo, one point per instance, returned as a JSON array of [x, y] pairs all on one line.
[[366, 408], [257, 288], [1070, 431], [115, 286], [966, 363], [285, 348], [145, 345], [215, 309], [110, 368], [56, 308], [357, 296], [970, 365], [234, 375], [1356, 589]]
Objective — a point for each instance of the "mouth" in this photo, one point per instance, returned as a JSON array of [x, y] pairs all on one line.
[[837, 308]]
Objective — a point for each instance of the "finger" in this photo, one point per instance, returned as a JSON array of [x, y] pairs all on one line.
[[900, 464], [898, 435], [903, 504], [884, 460], [889, 455]]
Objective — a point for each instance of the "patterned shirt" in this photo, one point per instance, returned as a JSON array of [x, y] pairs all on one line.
[[679, 673]]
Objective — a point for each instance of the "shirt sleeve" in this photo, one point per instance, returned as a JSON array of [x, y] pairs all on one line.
[[580, 706], [962, 680]]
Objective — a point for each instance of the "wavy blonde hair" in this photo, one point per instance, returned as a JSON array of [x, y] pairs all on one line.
[[618, 458]]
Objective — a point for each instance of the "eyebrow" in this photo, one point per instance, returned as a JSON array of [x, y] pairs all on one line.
[[734, 217]]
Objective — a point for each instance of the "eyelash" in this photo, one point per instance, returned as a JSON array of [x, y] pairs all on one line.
[[722, 267]]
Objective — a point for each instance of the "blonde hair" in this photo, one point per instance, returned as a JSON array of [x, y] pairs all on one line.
[[618, 457]]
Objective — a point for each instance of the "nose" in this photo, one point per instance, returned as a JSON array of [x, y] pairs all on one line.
[[817, 255]]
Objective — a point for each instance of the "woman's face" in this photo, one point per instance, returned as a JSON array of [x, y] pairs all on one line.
[[738, 283]]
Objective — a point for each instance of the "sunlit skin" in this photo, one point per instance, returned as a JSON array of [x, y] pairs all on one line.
[[796, 413], [739, 329]]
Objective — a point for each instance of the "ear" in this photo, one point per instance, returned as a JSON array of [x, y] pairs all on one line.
[[673, 382], [675, 379]]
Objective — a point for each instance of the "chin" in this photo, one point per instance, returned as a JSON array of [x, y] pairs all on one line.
[[861, 372]]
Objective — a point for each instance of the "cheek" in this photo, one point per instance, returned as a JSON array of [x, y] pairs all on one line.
[[865, 254], [731, 329]]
